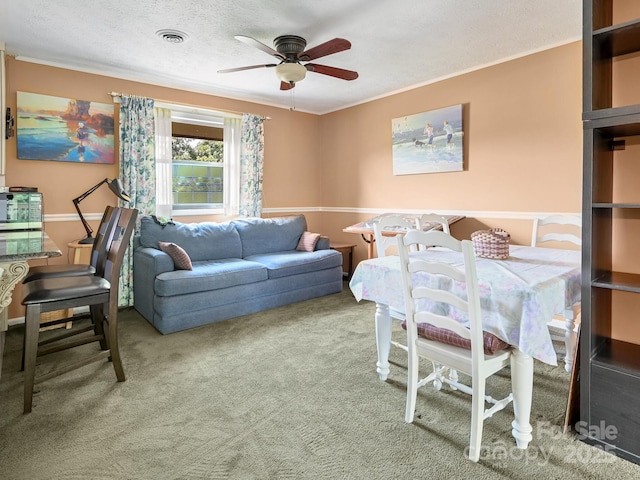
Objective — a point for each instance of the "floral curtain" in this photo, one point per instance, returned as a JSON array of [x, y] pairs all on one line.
[[137, 172], [251, 165]]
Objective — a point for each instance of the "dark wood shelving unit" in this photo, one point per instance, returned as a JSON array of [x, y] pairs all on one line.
[[618, 356], [618, 40], [609, 368], [629, 282]]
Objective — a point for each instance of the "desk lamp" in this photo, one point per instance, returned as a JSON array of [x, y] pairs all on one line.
[[115, 186]]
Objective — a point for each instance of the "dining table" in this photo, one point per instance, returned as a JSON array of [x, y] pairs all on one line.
[[518, 295], [16, 249]]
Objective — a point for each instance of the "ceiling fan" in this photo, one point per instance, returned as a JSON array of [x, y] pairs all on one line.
[[290, 50]]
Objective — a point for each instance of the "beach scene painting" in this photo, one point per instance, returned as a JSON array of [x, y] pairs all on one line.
[[64, 129], [428, 142]]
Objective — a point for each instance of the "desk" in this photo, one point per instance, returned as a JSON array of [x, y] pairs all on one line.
[[15, 249], [518, 297], [365, 229]]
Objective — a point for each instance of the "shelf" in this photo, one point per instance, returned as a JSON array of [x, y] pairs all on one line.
[[615, 205], [618, 39], [614, 122], [629, 282], [615, 112], [619, 356]]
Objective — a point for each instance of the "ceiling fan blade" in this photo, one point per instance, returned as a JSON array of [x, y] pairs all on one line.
[[286, 85], [259, 45], [332, 71], [239, 69], [327, 48]]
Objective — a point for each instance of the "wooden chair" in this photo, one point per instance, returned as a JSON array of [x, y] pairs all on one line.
[[383, 244], [561, 229], [433, 218], [474, 361], [98, 252], [99, 292]]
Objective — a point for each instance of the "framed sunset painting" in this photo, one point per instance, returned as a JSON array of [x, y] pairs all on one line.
[[428, 142], [64, 129]]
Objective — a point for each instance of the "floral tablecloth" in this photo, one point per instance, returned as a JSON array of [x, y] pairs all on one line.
[[518, 295]]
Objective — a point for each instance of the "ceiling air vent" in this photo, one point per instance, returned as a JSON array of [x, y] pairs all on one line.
[[172, 36]]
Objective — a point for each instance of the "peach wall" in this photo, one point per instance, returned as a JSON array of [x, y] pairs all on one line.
[[291, 171], [523, 146]]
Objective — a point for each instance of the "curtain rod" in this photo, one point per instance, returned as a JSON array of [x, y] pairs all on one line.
[[116, 99]]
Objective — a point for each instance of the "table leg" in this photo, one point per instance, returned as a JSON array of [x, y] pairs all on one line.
[[383, 339], [371, 248], [10, 274], [522, 388]]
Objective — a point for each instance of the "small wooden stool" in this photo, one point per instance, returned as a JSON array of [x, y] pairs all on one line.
[[344, 249]]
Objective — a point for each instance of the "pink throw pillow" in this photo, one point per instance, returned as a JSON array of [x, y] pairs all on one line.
[[308, 242], [180, 258]]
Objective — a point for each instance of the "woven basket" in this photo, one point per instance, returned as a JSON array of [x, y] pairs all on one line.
[[492, 243]]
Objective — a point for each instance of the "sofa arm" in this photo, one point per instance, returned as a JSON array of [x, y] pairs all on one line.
[[323, 243], [147, 264], [152, 261]]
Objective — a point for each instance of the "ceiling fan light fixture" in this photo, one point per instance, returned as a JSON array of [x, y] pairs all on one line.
[[290, 72]]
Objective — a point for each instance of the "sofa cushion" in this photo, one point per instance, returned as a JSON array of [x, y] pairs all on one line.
[[201, 241], [284, 264], [180, 258], [209, 275], [268, 235]]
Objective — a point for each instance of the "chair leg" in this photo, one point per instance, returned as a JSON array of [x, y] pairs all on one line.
[[112, 321], [97, 318], [453, 376], [412, 386], [477, 418], [24, 344], [30, 352]]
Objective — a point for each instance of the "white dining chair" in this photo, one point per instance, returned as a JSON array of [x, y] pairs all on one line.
[[561, 229], [429, 219], [557, 228], [386, 245], [465, 347], [433, 218]]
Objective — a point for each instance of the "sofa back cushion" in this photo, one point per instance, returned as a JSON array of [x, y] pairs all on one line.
[[267, 235], [201, 241]]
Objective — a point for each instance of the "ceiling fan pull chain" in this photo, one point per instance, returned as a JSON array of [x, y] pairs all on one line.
[[293, 99]]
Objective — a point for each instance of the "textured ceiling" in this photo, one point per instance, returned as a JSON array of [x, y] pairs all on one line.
[[396, 45]]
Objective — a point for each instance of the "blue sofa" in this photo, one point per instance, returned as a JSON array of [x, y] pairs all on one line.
[[239, 267]]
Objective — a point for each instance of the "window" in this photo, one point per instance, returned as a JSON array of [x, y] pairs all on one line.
[[197, 171], [197, 158]]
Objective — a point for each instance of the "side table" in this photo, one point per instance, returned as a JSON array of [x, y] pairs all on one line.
[[77, 248], [345, 249]]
